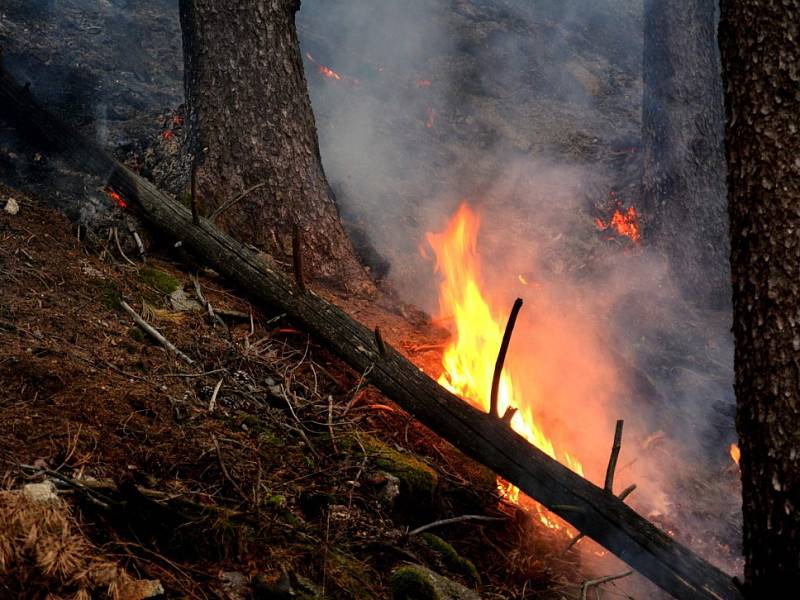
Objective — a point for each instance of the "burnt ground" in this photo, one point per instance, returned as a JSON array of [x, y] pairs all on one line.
[[276, 479]]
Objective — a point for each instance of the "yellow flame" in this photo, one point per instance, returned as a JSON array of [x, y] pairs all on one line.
[[478, 328]]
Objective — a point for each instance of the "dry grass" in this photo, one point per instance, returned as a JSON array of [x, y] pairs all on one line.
[[43, 553]]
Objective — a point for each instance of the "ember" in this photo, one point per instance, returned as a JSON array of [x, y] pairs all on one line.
[[624, 222], [116, 198], [431, 118], [325, 71]]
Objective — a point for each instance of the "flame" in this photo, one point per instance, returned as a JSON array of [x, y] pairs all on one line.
[[625, 223], [470, 356], [116, 198], [736, 454]]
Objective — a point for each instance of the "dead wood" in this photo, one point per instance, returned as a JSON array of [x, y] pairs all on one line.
[[481, 436], [494, 409]]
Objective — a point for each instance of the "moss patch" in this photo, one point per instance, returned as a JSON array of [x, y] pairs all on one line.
[[158, 280], [412, 583], [451, 559], [416, 478], [108, 293]]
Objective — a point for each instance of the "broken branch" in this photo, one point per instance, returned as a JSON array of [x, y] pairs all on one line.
[[154, 333], [612, 461], [494, 410]]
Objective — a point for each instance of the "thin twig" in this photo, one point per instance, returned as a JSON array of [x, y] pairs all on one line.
[[119, 247], [213, 402], [494, 410], [595, 582], [379, 341], [226, 205], [612, 461], [94, 497], [225, 471], [154, 333], [452, 520]]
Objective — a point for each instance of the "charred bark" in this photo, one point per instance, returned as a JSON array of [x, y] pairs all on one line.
[[761, 68], [684, 201], [485, 438], [250, 123]]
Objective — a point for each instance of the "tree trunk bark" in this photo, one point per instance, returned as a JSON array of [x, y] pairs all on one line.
[[485, 438], [760, 43], [684, 205], [250, 122]]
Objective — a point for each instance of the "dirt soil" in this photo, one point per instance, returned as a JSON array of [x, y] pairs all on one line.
[[264, 469]]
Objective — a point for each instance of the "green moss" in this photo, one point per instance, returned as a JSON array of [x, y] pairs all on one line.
[[275, 501], [411, 583], [158, 280], [136, 333], [108, 293], [416, 478], [451, 559]]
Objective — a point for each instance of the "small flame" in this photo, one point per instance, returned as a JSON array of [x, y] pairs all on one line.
[[624, 223], [116, 198], [736, 454], [325, 71]]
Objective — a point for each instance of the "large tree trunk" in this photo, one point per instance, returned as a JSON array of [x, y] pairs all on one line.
[[682, 133], [251, 123], [760, 42]]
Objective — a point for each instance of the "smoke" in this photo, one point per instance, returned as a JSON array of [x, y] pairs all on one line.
[[531, 112]]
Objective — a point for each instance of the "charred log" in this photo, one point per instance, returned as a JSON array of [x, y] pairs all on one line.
[[481, 436]]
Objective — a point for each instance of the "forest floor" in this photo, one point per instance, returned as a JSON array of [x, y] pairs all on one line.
[[265, 469]]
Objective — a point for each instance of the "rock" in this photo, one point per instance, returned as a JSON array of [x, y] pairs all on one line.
[[40, 492], [417, 481], [180, 301], [235, 585], [12, 207], [415, 582]]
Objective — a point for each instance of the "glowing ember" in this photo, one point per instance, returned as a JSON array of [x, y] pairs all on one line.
[[423, 83], [470, 356], [736, 454], [522, 279], [431, 118], [168, 134], [624, 223], [325, 71], [116, 198]]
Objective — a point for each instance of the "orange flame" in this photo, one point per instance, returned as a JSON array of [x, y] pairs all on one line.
[[624, 223], [469, 358], [325, 71], [736, 454]]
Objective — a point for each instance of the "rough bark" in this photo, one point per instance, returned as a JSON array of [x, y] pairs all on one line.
[[250, 123], [487, 439], [760, 43], [684, 202]]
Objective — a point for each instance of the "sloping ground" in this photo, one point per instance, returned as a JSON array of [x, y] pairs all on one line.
[[262, 470]]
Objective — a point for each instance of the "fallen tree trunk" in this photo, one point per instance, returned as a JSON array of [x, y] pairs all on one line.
[[593, 511]]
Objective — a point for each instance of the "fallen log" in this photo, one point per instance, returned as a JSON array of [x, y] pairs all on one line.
[[487, 439]]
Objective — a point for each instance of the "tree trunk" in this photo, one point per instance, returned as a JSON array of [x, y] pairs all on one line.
[[684, 203], [251, 123], [760, 43]]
